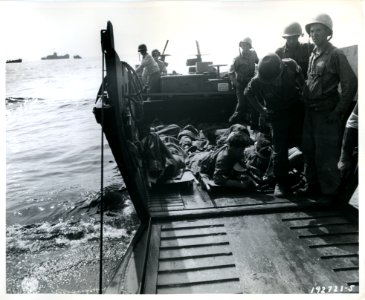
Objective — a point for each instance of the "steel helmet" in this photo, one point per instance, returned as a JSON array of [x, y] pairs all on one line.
[[292, 30], [155, 52], [142, 48], [246, 40], [270, 67], [323, 19]]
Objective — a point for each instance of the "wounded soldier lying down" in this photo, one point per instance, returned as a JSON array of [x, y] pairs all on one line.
[[220, 164]]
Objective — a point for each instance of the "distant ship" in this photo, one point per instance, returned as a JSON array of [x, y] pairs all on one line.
[[55, 56], [77, 56], [19, 60]]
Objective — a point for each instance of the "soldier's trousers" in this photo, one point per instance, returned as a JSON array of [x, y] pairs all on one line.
[[286, 129], [321, 149]]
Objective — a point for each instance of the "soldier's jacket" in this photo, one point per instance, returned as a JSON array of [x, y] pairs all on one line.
[[148, 64], [282, 96], [243, 66], [326, 70], [300, 54]]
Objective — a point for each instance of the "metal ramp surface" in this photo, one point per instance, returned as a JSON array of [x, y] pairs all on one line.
[[289, 252], [193, 257], [333, 239]]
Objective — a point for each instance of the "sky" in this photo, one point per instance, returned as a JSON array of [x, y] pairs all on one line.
[[38, 28]]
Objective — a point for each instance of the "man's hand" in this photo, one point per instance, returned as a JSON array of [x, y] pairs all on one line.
[[344, 166], [234, 81]]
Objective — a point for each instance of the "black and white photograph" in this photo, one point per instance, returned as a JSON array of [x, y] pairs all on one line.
[[181, 147]]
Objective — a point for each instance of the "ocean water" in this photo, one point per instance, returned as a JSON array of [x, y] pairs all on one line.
[[53, 149]]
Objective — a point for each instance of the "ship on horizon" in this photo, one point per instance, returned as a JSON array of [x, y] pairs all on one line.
[[55, 56], [11, 61]]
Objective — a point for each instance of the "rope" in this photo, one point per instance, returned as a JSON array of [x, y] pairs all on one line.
[[102, 182]]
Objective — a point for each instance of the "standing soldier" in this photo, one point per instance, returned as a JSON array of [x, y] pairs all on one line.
[[161, 64], [300, 52], [275, 93], [241, 72], [325, 109], [151, 68]]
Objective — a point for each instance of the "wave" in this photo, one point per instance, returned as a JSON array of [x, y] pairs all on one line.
[[79, 224], [21, 99]]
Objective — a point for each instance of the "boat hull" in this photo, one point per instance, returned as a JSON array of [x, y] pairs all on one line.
[[197, 237]]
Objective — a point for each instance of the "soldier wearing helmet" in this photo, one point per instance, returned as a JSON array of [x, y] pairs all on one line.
[[150, 69], [300, 52], [241, 72], [275, 92], [326, 108], [161, 64]]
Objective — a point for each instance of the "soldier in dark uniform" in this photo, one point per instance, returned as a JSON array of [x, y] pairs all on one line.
[[300, 52], [326, 109], [275, 92]]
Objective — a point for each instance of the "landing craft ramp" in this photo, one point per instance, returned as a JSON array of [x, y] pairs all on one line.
[[195, 239], [293, 252]]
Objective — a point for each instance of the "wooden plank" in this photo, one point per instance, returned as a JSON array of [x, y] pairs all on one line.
[[188, 235], [212, 267], [317, 220], [165, 202], [351, 255], [152, 261], [229, 197], [172, 204], [193, 223], [166, 209], [189, 252], [195, 277], [232, 287], [310, 214], [337, 250], [171, 95], [319, 225], [342, 262], [325, 233], [330, 240], [349, 276], [193, 231], [167, 206], [195, 263], [184, 226], [235, 210], [164, 206], [195, 200], [166, 196], [226, 202], [194, 241]]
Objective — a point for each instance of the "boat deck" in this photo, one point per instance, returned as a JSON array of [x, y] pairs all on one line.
[[271, 253], [187, 198], [234, 242]]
